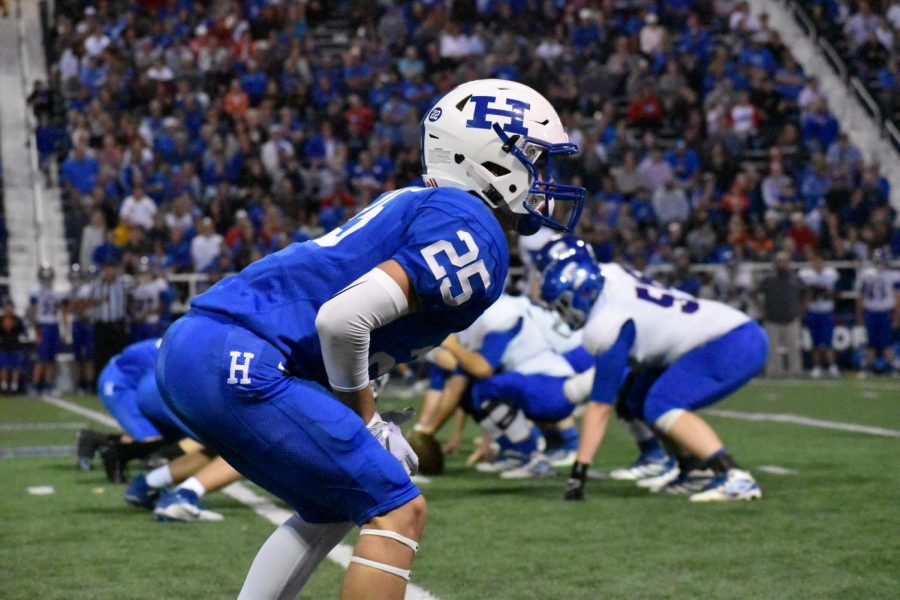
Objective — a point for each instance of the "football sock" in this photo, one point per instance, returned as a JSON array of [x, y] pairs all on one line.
[[290, 555], [579, 471], [160, 478], [138, 450], [569, 438], [193, 484], [720, 462], [686, 463], [171, 451], [651, 448]]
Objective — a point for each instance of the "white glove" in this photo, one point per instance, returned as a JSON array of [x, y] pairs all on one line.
[[392, 440]]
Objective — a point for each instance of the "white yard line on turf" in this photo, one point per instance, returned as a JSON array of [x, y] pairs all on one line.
[[268, 510], [40, 451], [40, 426], [80, 410], [775, 470], [801, 420]]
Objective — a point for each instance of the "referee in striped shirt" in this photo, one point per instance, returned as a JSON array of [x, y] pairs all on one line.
[[109, 300]]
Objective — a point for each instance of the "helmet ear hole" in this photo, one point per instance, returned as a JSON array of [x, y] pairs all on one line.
[[495, 169], [512, 189]]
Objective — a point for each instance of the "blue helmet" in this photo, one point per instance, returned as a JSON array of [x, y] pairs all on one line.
[[571, 287], [563, 247]]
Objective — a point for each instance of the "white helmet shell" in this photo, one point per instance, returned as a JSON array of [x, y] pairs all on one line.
[[486, 136]]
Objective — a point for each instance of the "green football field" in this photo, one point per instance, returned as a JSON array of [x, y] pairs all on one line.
[[828, 526]]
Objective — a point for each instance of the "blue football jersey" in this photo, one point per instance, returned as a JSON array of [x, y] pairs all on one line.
[[138, 359], [448, 242]]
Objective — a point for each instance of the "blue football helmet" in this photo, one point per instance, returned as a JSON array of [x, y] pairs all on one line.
[[571, 287], [563, 247], [500, 139]]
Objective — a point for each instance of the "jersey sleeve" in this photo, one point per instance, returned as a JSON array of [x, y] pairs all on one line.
[[602, 330], [610, 365], [452, 264], [495, 344]]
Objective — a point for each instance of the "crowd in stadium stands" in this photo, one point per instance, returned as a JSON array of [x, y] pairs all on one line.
[[199, 135], [207, 134], [864, 33]]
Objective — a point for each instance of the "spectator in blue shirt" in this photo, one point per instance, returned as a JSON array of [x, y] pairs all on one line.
[[685, 163], [254, 82], [108, 251], [80, 170], [819, 128]]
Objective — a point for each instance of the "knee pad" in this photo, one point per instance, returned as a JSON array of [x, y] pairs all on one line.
[[577, 388], [408, 542], [497, 418], [668, 418]]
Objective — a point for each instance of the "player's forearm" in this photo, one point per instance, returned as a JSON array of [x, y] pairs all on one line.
[[593, 428], [472, 363], [450, 398], [362, 402], [442, 358], [345, 324]]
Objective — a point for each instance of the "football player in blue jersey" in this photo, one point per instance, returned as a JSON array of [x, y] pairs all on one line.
[[148, 425], [271, 367]]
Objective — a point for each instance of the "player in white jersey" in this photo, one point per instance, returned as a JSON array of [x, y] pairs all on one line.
[[80, 301], [44, 311], [821, 283], [878, 287], [684, 353], [146, 303], [516, 377]]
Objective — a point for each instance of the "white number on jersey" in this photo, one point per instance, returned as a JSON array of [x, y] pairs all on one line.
[[655, 292], [468, 267]]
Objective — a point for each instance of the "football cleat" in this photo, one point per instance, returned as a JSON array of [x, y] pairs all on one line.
[[140, 494], [689, 482], [574, 489], [506, 460], [658, 482], [642, 468], [561, 458], [537, 467], [736, 484], [184, 506], [833, 371]]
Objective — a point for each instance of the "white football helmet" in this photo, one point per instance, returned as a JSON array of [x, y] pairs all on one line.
[[497, 138]]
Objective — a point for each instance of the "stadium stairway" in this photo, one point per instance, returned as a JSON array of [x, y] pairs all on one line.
[[861, 129], [33, 210]]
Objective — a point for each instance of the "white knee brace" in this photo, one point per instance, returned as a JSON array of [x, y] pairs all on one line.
[[664, 423], [411, 543], [577, 388]]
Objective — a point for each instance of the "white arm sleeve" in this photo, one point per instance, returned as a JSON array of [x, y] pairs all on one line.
[[345, 324]]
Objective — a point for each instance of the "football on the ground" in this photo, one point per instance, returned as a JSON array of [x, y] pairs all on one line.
[[428, 449]]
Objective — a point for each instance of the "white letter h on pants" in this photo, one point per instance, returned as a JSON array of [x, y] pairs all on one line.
[[243, 368]]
